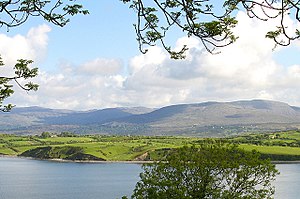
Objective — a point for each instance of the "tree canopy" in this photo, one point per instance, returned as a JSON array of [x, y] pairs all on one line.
[[210, 21], [211, 171], [16, 12]]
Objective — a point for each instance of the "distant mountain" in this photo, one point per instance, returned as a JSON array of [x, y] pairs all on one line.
[[89, 117], [201, 119]]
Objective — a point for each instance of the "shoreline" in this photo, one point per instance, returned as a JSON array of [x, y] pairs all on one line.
[[115, 161], [286, 162], [78, 161]]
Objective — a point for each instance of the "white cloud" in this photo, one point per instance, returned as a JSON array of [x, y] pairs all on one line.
[[153, 57], [38, 40], [32, 46], [243, 70], [102, 66]]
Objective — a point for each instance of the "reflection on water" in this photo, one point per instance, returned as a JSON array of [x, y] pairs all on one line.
[[32, 179]]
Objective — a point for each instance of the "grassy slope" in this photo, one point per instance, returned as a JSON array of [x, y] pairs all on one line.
[[280, 150], [122, 148], [109, 148]]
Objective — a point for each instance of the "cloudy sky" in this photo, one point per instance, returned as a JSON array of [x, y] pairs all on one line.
[[94, 63]]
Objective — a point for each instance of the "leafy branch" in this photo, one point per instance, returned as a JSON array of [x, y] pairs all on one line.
[[16, 12], [22, 72], [201, 19]]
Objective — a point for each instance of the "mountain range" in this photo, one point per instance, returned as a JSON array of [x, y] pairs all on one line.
[[198, 119]]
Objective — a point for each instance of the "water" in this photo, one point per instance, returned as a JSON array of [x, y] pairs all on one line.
[[32, 179], [287, 184]]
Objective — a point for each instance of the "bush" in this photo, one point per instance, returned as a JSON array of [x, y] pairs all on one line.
[[210, 171]]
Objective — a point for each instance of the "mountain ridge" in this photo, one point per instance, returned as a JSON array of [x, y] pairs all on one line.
[[195, 119]]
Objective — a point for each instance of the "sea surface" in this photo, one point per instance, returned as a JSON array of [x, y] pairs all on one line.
[[34, 179]]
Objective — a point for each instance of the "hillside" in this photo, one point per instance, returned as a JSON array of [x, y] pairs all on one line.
[[201, 119], [277, 146]]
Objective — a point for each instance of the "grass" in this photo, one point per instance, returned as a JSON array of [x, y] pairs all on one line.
[[113, 148], [66, 140], [120, 148], [7, 151], [279, 150]]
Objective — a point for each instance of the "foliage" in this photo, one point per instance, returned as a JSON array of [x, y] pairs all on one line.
[[211, 171], [17, 12], [45, 135], [288, 138], [21, 71], [13, 13], [67, 134], [208, 20]]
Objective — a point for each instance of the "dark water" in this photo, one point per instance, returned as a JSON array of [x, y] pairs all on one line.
[[32, 179]]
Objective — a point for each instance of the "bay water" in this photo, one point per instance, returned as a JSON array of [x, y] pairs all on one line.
[[34, 179]]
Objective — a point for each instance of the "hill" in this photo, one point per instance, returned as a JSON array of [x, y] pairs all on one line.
[[200, 119], [280, 146]]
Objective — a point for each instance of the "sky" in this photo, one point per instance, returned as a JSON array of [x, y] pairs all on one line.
[[94, 63]]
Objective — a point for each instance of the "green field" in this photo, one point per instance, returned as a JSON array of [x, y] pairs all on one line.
[[277, 146], [111, 148]]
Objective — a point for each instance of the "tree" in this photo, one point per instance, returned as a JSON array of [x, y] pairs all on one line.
[[16, 12], [45, 135], [210, 171], [210, 21], [67, 134]]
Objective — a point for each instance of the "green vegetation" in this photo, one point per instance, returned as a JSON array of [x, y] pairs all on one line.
[[65, 152], [208, 171], [209, 21], [288, 138], [110, 148], [277, 146]]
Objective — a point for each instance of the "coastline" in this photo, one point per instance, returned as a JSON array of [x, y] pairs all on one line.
[[113, 161], [286, 162], [79, 161]]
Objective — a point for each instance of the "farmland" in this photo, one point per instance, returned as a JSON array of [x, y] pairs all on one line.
[[277, 146]]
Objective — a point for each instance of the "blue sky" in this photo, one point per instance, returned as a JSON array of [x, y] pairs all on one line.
[[106, 32], [94, 62]]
